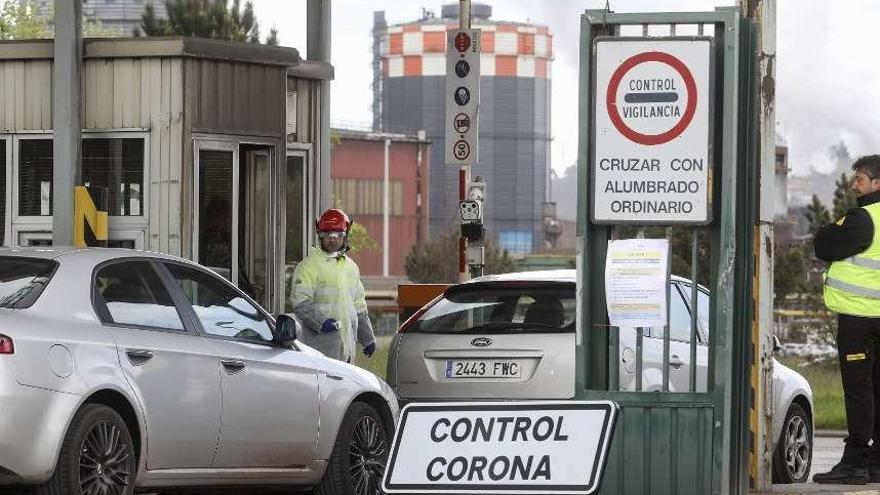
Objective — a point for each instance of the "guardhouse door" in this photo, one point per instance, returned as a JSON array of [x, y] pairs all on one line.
[[232, 217]]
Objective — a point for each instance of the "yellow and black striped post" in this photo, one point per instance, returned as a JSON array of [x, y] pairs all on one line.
[[90, 225]]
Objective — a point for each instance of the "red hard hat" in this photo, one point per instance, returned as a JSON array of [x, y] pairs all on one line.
[[333, 220]]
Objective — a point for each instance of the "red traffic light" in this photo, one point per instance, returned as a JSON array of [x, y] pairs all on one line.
[[462, 42]]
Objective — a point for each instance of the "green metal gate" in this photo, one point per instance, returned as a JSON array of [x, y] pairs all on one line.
[[690, 442]]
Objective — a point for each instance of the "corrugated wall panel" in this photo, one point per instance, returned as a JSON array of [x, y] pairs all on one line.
[[231, 97], [7, 91], [175, 158], [160, 209], [26, 86], [155, 88]]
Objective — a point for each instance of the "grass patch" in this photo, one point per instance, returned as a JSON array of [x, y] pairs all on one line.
[[824, 378], [378, 363]]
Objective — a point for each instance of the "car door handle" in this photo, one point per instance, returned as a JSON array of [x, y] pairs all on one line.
[[232, 366], [675, 362], [138, 357]]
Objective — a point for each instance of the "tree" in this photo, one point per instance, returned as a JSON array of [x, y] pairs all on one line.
[[790, 272], [359, 239], [817, 215], [25, 21], [205, 19], [436, 261], [844, 196], [22, 21]]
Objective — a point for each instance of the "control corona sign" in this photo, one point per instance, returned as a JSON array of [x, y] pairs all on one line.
[[652, 128], [550, 447]]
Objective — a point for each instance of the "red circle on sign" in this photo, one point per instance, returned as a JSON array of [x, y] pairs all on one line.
[[462, 42], [617, 77]]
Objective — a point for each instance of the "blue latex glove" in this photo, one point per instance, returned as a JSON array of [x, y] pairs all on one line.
[[369, 350], [330, 325]]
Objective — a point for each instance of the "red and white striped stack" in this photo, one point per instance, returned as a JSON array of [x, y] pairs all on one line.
[[508, 50]]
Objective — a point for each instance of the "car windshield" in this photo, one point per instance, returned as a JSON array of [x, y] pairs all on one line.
[[22, 280], [526, 309]]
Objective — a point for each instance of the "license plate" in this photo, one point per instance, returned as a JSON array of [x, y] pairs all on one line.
[[483, 368]]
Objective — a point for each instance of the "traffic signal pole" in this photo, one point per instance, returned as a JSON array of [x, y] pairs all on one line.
[[464, 18]]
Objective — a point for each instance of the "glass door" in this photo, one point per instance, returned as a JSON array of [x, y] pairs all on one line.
[[215, 200], [294, 198], [254, 222], [233, 217]]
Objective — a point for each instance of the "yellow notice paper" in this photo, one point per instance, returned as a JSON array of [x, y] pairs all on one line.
[[636, 277]]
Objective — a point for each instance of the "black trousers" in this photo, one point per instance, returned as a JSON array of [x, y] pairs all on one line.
[[858, 349]]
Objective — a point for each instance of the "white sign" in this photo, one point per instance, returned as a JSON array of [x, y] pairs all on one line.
[[462, 95], [470, 211], [506, 448], [652, 161], [636, 280]]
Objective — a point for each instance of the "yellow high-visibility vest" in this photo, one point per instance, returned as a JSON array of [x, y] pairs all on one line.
[[852, 285]]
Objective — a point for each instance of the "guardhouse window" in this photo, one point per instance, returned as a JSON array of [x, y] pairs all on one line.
[[2, 190], [35, 177], [115, 166], [112, 167]]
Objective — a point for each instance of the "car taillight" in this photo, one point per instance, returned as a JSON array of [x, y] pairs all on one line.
[[6, 346]]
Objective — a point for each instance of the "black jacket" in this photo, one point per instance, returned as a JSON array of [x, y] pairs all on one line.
[[836, 242]]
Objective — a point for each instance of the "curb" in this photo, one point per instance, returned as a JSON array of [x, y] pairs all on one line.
[[831, 433], [824, 490]]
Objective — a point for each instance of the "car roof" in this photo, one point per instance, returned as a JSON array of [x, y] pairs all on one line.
[[535, 276], [561, 275], [92, 255]]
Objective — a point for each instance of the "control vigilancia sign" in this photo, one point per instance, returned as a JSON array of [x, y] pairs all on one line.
[[652, 128], [555, 447]]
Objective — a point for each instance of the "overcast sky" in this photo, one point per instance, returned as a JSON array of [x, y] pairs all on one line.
[[828, 88]]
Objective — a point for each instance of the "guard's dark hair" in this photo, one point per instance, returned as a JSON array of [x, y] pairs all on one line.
[[869, 164]]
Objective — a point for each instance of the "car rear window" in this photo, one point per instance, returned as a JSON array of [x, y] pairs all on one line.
[[22, 280], [501, 309]]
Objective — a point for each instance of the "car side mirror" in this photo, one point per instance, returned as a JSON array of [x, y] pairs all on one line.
[[777, 345], [285, 330]]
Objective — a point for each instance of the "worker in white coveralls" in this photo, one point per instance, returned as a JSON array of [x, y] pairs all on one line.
[[328, 296]]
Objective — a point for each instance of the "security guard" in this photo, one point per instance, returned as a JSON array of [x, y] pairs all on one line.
[[328, 296], [852, 289]]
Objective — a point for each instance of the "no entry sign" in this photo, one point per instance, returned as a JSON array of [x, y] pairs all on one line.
[[651, 159]]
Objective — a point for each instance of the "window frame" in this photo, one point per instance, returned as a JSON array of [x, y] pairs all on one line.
[[305, 153], [680, 285], [6, 220], [99, 305], [38, 223], [191, 312], [34, 298]]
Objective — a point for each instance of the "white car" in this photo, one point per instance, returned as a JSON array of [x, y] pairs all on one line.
[[512, 336], [122, 369]]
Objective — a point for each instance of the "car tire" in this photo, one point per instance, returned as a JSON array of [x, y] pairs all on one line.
[[97, 450], [794, 449], [360, 452]]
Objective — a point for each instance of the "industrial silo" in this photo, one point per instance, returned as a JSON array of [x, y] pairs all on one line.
[[409, 93]]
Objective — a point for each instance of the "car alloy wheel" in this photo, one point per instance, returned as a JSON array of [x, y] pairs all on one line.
[[797, 447], [367, 453], [794, 448], [104, 460]]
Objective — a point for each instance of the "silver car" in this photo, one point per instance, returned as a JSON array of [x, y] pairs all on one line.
[[512, 336], [123, 369]]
